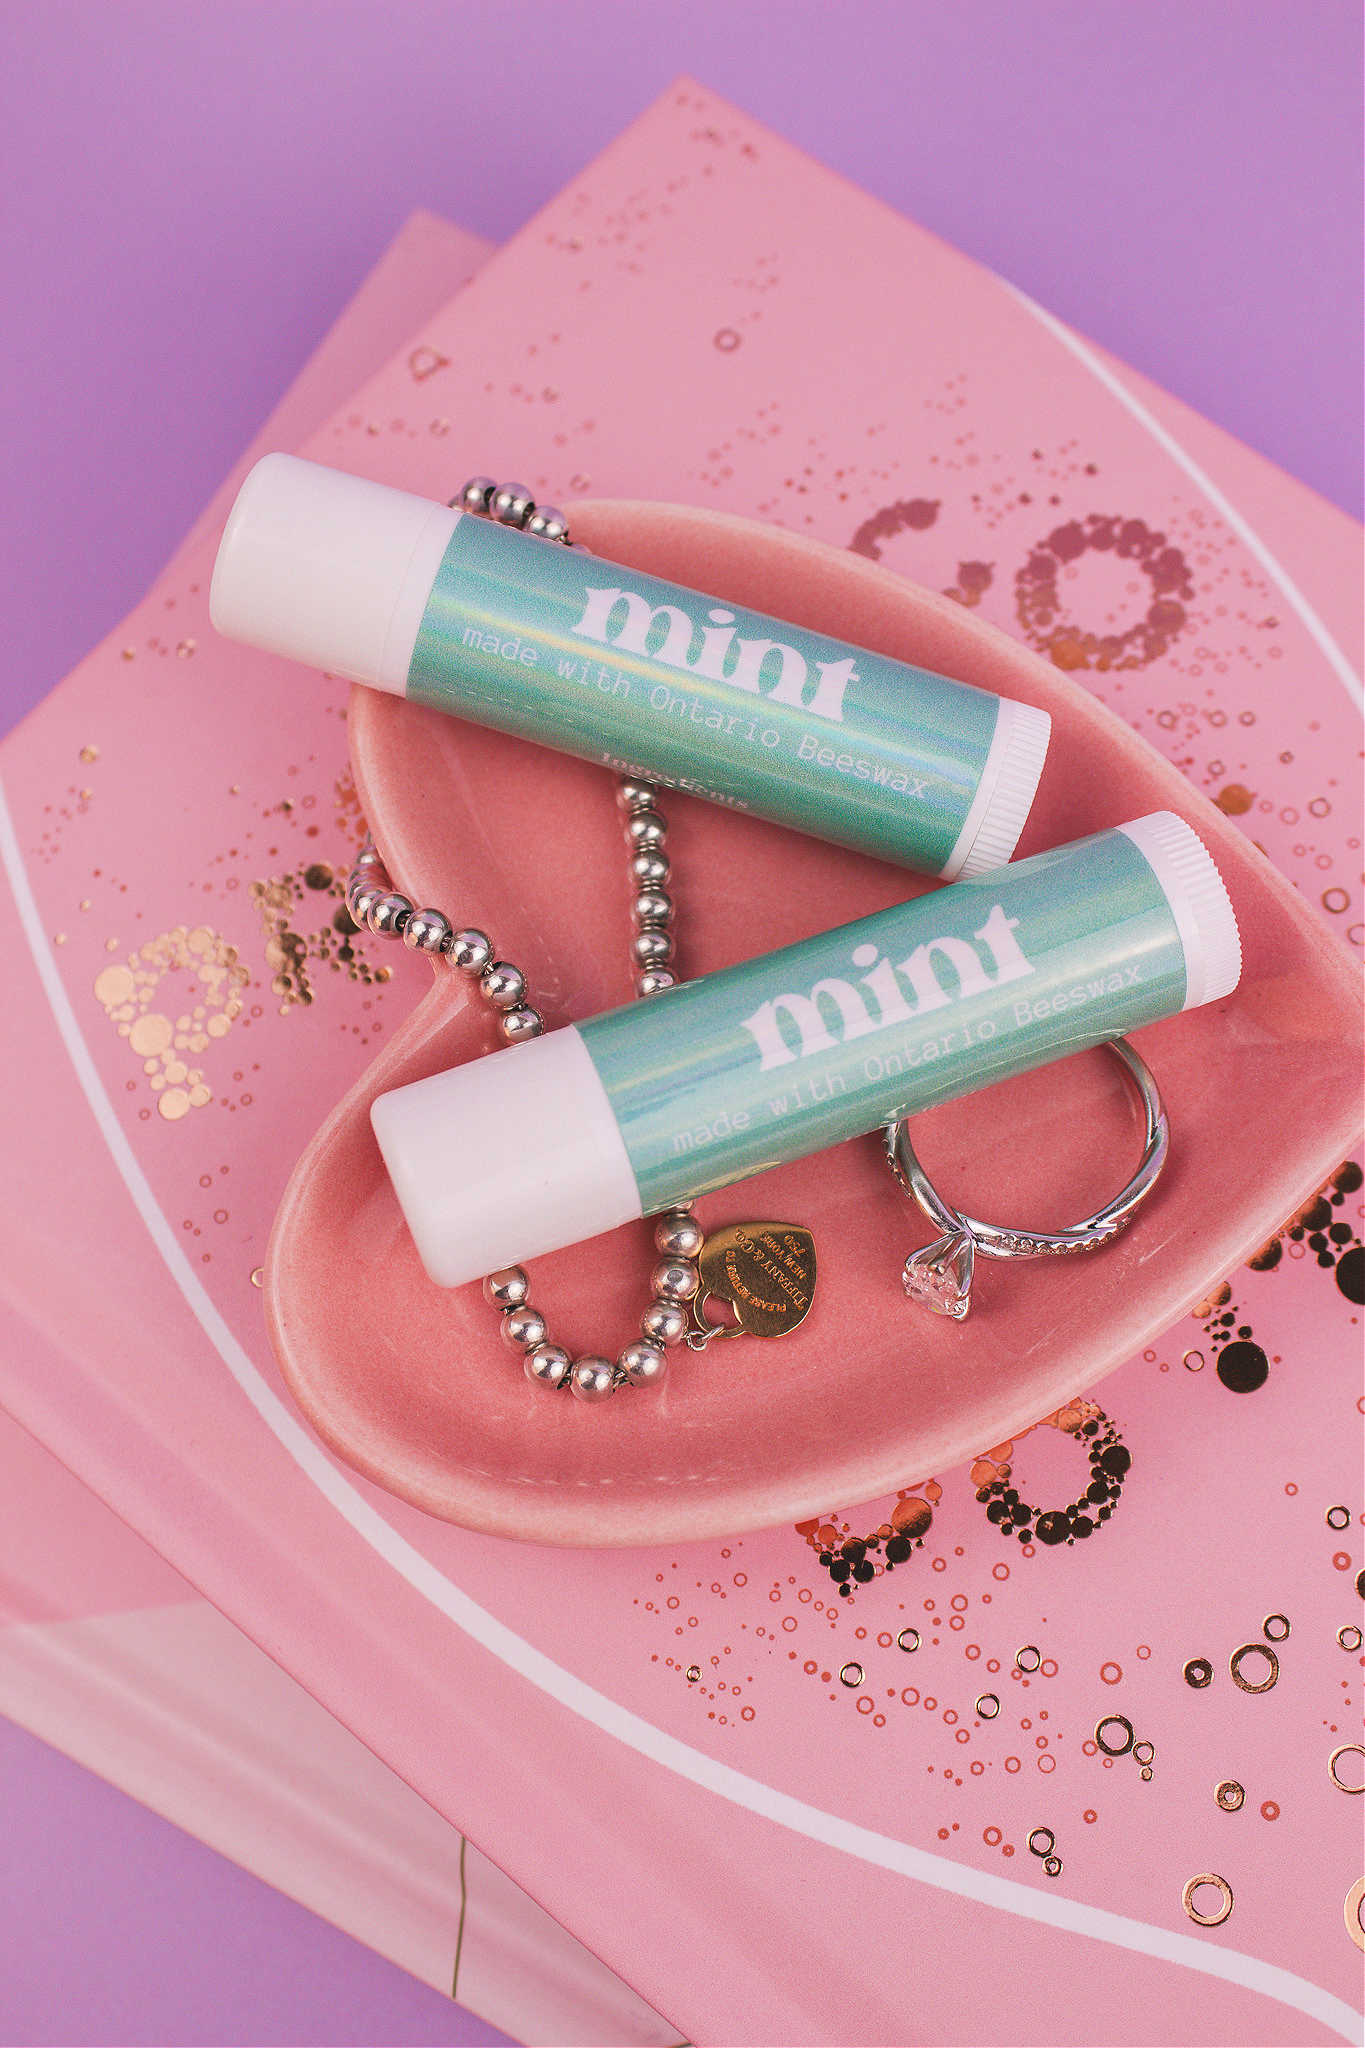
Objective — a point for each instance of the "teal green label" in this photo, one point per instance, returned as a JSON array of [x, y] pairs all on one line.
[[782, 1056], [651, 679]]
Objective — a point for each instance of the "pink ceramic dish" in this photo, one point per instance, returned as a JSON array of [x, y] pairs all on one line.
[[410, 1384]]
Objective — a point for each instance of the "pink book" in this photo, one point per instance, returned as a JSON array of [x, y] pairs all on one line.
[[758, 1803], [113, 1658], [109, 1654]]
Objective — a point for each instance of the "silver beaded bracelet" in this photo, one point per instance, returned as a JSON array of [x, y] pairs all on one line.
[[673, 1315]]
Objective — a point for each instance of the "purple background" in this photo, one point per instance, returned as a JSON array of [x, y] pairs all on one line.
[[191, 194]]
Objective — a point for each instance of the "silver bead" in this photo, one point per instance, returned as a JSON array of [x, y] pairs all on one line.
[[652, 907], [654, 981], [520, 1024], [634, 795], [643, 1364], [549, 1365], [650, 867], [593, 1378], [470, 951], [525, 1327], [426, 931], [549, 523], [511, 504], [389, 915], [474, 495], [663, 1322], [369, 856], [678, 1234], [503, 984], [360, 902], [674, 1280], [651, 948], [507, 1288], [646, 828]]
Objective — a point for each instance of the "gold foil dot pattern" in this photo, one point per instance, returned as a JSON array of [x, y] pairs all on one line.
[[292, 952], [168, 1041]]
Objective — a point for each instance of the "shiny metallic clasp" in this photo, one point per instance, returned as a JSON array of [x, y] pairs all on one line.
[[703, 1330]]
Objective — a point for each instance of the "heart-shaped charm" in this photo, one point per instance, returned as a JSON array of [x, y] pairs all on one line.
[[939, 1275], [766, 1271]]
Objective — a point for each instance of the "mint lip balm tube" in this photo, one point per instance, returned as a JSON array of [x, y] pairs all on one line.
[[716, 1079], [646, 677]]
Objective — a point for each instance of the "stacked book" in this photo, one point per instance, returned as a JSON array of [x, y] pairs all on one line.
[[585, 1789]]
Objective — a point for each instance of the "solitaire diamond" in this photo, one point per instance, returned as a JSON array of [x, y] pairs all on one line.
[[939, 1276]]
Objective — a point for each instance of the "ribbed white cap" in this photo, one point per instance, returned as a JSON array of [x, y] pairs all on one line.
[[1199, 903], [506, 1157], [1004, 798], [328, 569]]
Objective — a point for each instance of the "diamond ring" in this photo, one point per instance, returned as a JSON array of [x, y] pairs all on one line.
[[939, 1275]]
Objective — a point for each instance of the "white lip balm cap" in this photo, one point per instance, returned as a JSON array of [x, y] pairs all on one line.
[[328, 569], [1004, 796], [1200, 904], [475, 1202]]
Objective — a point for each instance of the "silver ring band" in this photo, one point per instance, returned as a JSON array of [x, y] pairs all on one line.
[[939, 1275]]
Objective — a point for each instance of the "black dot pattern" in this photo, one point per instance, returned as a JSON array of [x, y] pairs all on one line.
[[1110, 1462]]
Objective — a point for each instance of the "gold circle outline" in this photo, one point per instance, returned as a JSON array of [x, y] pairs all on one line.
[[1029, 1650], [1150, 1748], [1053, 1865], [1220, 1884], [1034, 1835], [1229, 1795], [1350, 1637], [1111, 1720], [1260, 1650], [902, 1644], [1345, 1749], [1351, 1911], [1280, 1625], [1203, 1668]]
